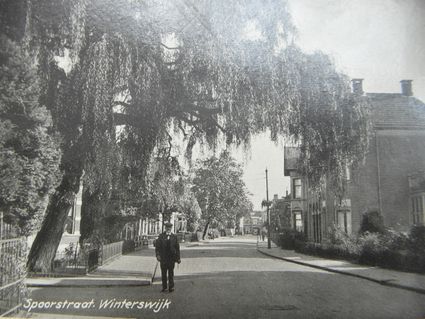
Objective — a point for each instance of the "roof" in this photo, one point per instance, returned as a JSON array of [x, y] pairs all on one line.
[[394, 110], [388, 111]]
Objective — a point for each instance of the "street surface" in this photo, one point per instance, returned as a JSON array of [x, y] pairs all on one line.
[[229, 278]]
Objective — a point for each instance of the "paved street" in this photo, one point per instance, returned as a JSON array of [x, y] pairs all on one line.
[[229, 278]]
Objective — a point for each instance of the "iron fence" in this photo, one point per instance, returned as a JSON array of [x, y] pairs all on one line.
[[74, 260], [12, 274], [111, 251]]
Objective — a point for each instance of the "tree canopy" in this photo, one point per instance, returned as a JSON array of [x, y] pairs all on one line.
[[221, 191], [29, 152], [209, 70]]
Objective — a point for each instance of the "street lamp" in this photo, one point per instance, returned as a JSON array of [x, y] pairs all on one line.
[[267, 203]]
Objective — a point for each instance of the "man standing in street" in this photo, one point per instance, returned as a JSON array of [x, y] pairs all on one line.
[[167, 250]]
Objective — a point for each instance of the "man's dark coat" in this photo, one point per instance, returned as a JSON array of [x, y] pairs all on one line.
[[170, 255], [167, 250]]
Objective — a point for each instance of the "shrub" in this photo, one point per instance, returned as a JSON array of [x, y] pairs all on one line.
[[392, 249], [417, 240], [128, 246], [415, 262], [346, 245], [393, 240], [371, 248], [336, 235], [402, 260], [372, 222], [288, 237]]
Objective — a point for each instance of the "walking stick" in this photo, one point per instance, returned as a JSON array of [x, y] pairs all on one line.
[[154, 271]]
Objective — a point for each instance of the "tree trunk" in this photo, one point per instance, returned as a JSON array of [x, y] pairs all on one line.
[[92, 216], [205, 230], [46, 243]]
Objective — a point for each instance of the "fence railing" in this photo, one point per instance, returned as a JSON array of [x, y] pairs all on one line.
[[111, 251], [12, 274], [75, 260]]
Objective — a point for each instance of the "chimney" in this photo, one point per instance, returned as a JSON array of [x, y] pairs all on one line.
[[357, 86], [406, 87], [275, 197]]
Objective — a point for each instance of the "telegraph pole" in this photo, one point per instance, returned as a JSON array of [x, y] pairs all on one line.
[[268, 213]]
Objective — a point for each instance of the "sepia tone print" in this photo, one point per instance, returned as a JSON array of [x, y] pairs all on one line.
[[212, 159]]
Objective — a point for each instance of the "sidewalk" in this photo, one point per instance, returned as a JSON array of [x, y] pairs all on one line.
[[134, 269], [392, 278]]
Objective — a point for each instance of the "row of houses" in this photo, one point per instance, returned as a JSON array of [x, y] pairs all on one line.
[[390, 180], [134, 230]]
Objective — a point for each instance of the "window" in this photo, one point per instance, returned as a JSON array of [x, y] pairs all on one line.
[[417, 210], [317, 227], [347, 172], [298, 221], [296, 187], [344, 220]]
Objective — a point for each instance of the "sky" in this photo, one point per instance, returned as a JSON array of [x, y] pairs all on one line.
[[380, 41]]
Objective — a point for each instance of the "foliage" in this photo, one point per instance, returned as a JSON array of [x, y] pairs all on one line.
[[417, 239], [372, 247], [167, 186], [394, 240], [333, 124], [190, 207], [211, 80], [29, 153], [288, 238], [128, 246], [280, 214], [111, 227], [337, 236], [392, 250], [220, 190], [373, 222]]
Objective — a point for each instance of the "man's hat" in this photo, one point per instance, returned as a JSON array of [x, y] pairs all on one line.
[[168, 224]]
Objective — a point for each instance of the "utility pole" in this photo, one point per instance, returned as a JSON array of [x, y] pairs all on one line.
[[269, 246]]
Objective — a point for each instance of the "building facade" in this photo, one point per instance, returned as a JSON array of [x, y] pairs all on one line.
[[390, 179], [254, 223]]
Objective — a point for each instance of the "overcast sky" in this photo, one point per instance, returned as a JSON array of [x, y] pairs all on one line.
[[381, 41]]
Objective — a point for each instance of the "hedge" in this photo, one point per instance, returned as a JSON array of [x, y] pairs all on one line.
[[391, 250]]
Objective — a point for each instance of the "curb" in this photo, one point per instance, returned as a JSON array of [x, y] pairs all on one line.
[[93, 283], [381, 282], [44, 315]]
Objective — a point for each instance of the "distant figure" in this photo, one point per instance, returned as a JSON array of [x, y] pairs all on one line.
[[263, 233], [167, 251]]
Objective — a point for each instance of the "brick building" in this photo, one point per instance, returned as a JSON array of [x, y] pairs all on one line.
[[390, 180]]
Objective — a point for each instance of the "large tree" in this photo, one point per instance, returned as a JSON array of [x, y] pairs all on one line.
[[29, 153], [208, 69], [220, 191]]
